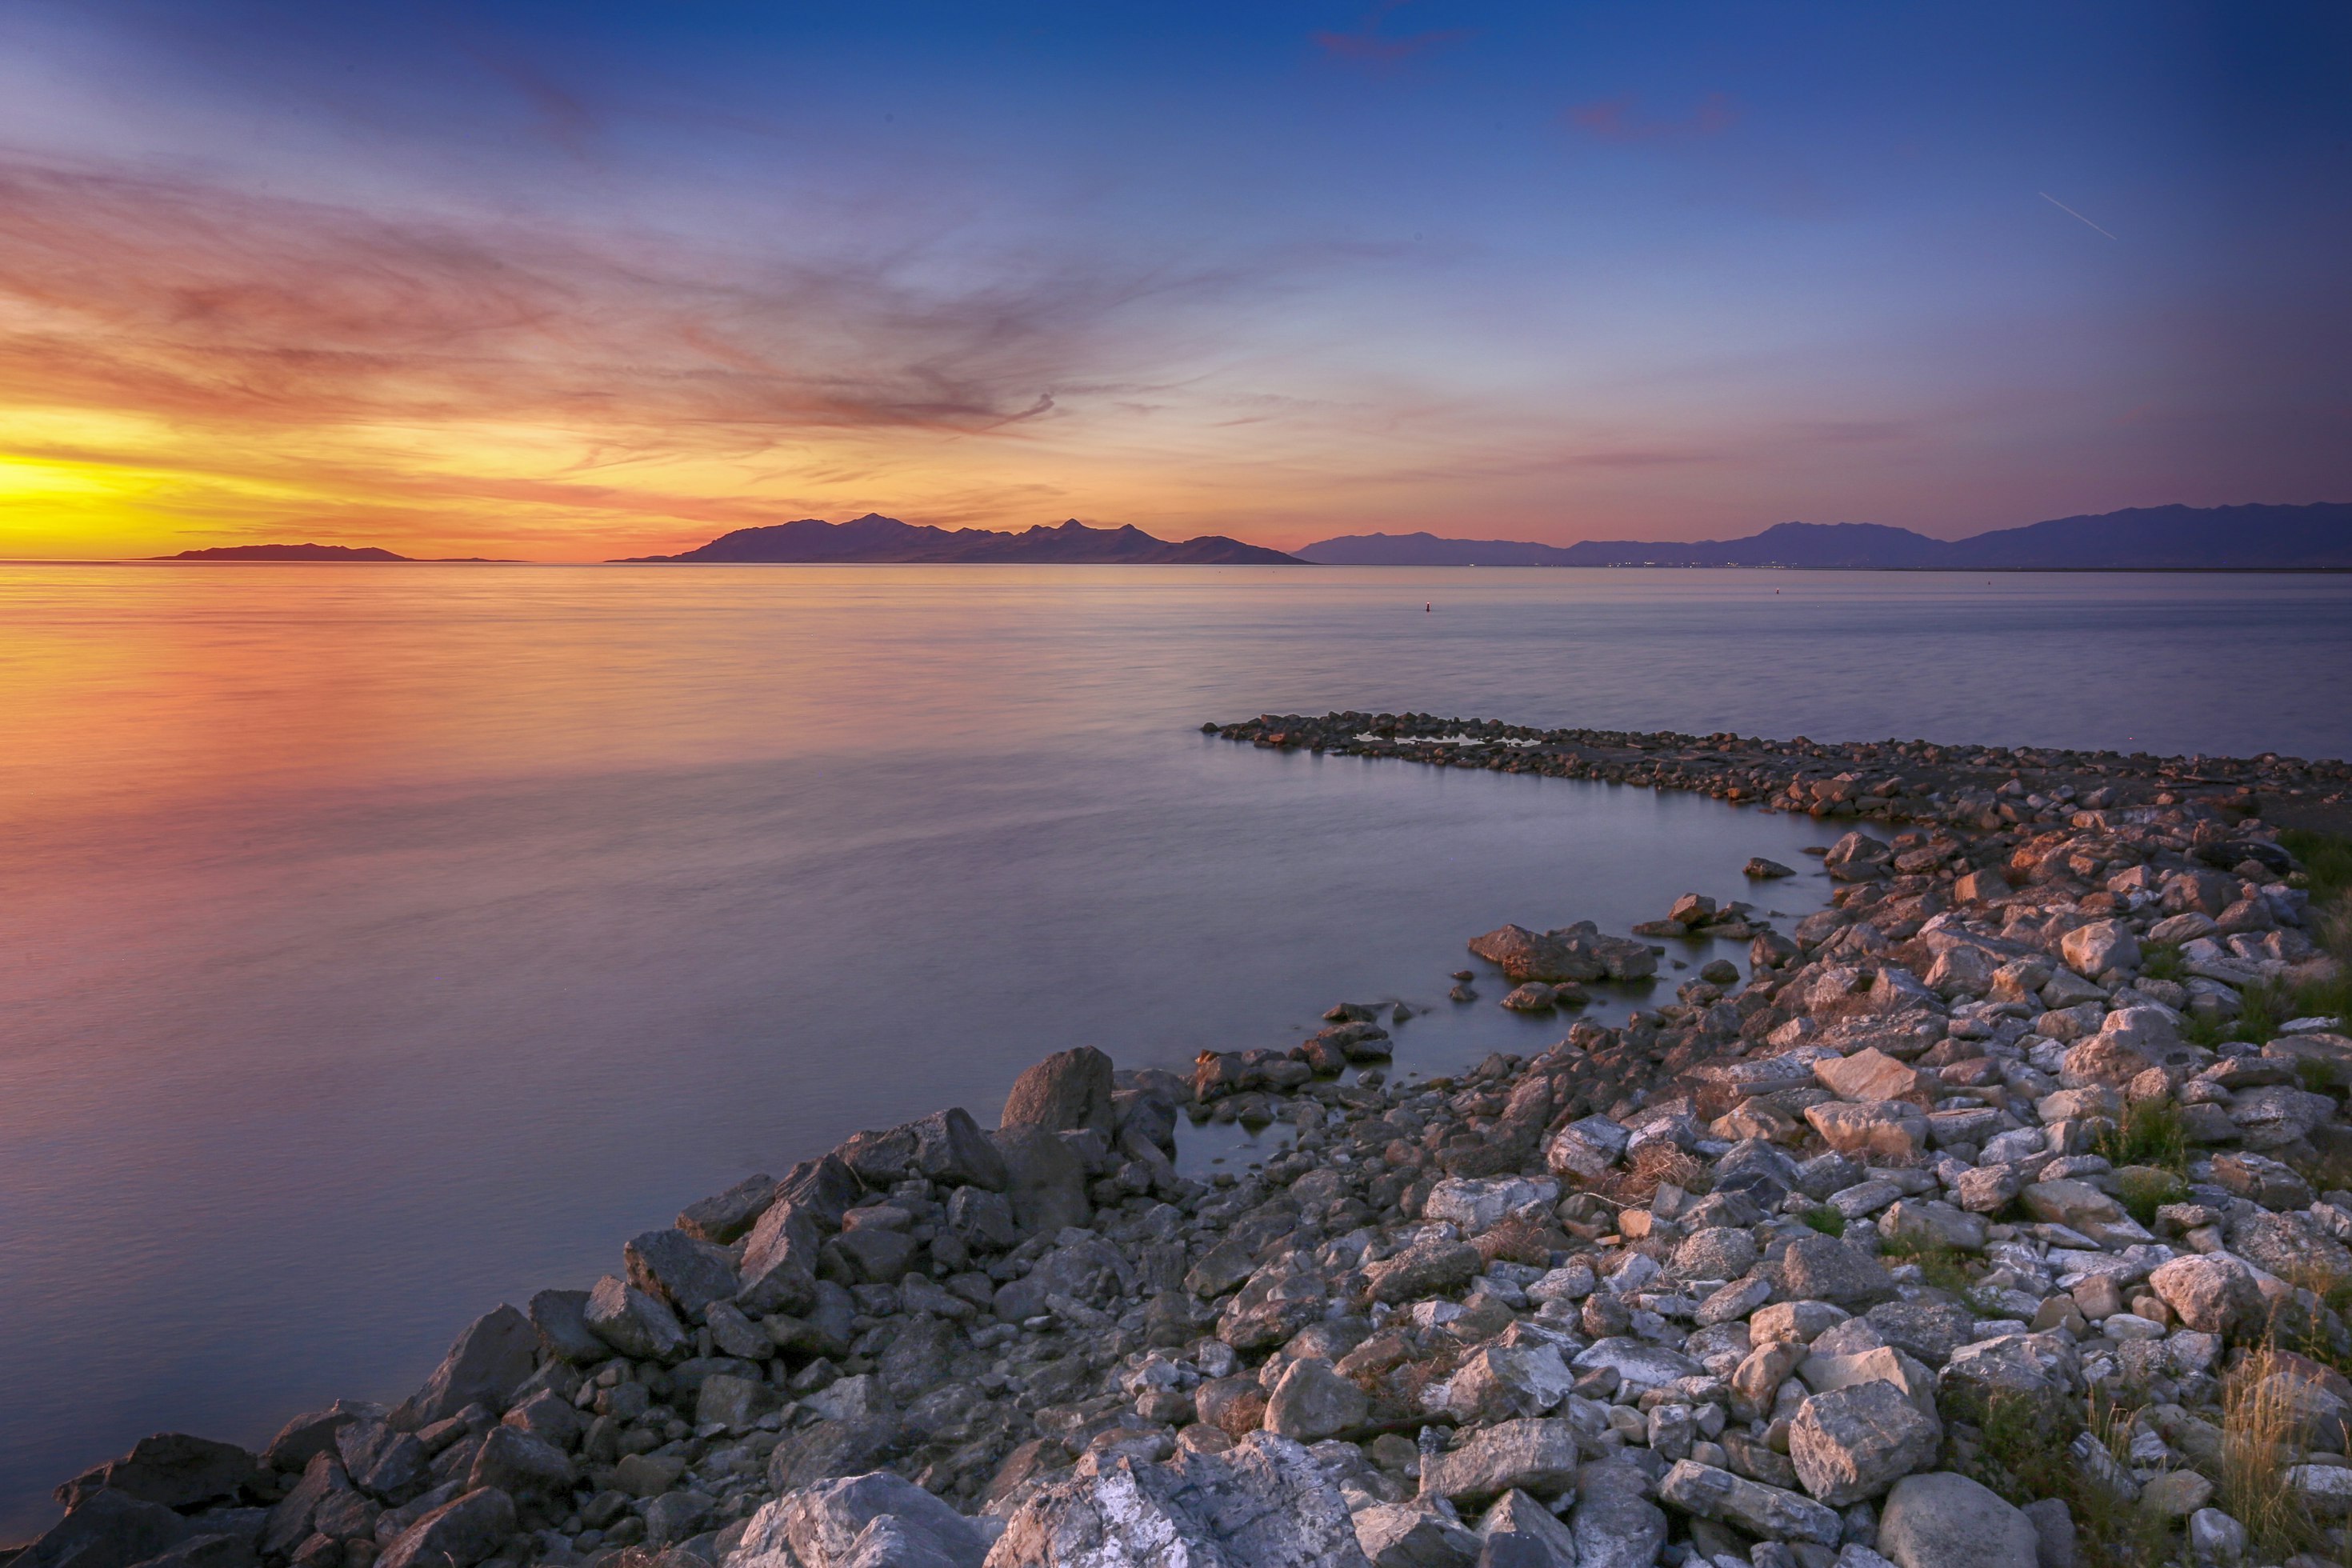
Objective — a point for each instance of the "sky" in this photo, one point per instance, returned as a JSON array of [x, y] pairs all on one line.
[[568, 281]]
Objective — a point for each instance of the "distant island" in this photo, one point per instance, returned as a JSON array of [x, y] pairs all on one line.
[[876, 538], [316, 552], [2163, 538]]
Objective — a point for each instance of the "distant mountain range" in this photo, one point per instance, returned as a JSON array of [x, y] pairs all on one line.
[[311, 552], [2161, 538], [877, 538]]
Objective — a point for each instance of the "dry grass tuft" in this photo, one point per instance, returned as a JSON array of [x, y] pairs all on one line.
[[2259, 1428]]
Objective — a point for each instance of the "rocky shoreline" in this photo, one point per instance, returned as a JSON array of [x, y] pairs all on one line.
[[1992, 1217]]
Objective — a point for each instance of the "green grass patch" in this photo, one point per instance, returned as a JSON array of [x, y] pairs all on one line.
[[1942, 1267], [2144, 1189], [2151, 1133], [2023, 1452], [2162, 961], [1825, 1219], [2326, 861]]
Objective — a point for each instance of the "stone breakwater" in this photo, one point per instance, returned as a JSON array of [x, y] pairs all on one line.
[[1750, 1280], [1986, 788]]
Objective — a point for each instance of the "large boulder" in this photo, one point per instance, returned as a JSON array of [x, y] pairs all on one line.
[[1533, 1456], [494, 1357], [1853, 1443], [1044, 1180], [1751, 1506], [1311, 1402], [1521, 1532], [561, 1319], [169, 1467], [727, 1217], [1614, 1523], [1414, 1535], [2212, 1292], [1266, 1503], [635, 1324], [107, 1529], [843, 1522], [516, 1463], [952, 1151], [289, 1524], [778, 1273], [1424, 1268], [687, 1273], [1069, 1091], [1945, 1520], [2092, 950], [457, 1535], [1823, 1268]]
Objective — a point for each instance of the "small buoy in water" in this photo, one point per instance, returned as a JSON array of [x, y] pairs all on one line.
[[1429, 606]]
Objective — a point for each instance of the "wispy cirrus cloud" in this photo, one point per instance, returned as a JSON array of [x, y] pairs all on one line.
[[1367, 45], [1620, 119]]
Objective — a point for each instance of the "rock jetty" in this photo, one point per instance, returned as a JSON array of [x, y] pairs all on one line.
[[1994, 1216]]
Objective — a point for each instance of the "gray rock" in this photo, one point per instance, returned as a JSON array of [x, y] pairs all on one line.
[[1521, 1532], [637, 1325], [516, 1463], [1312, 1401], [689, 1275], [675, 1516], [383, 1461], [727, 1217], [1427, 1268], [1501, 1382], [1855, 1442], [2030, 1366], [1614, 1523], [1414, 1535], [778, 1273], [1637, 1361], [1045, 1182], [1538, 1456], [952, 1150], [550, 1417], [1821, 1268], [1266, 1503], [289, 1521], [1945, 1520], [108, 1528], [822, 1189], [457, 1535], [493, 1358], [1069, 1091], [2215, 1541], [561, 1319], [1751, 1506], [736, 1334], [1719, 1252], [169, 1467], [314, 1433], [2054, 1531]]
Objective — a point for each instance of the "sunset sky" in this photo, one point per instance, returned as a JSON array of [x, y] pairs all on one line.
[[571, 281]]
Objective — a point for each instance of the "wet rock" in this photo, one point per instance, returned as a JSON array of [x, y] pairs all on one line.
[[1763, 869], [1945, 1520]]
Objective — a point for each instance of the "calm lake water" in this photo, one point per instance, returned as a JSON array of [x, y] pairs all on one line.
[[378, 943]]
